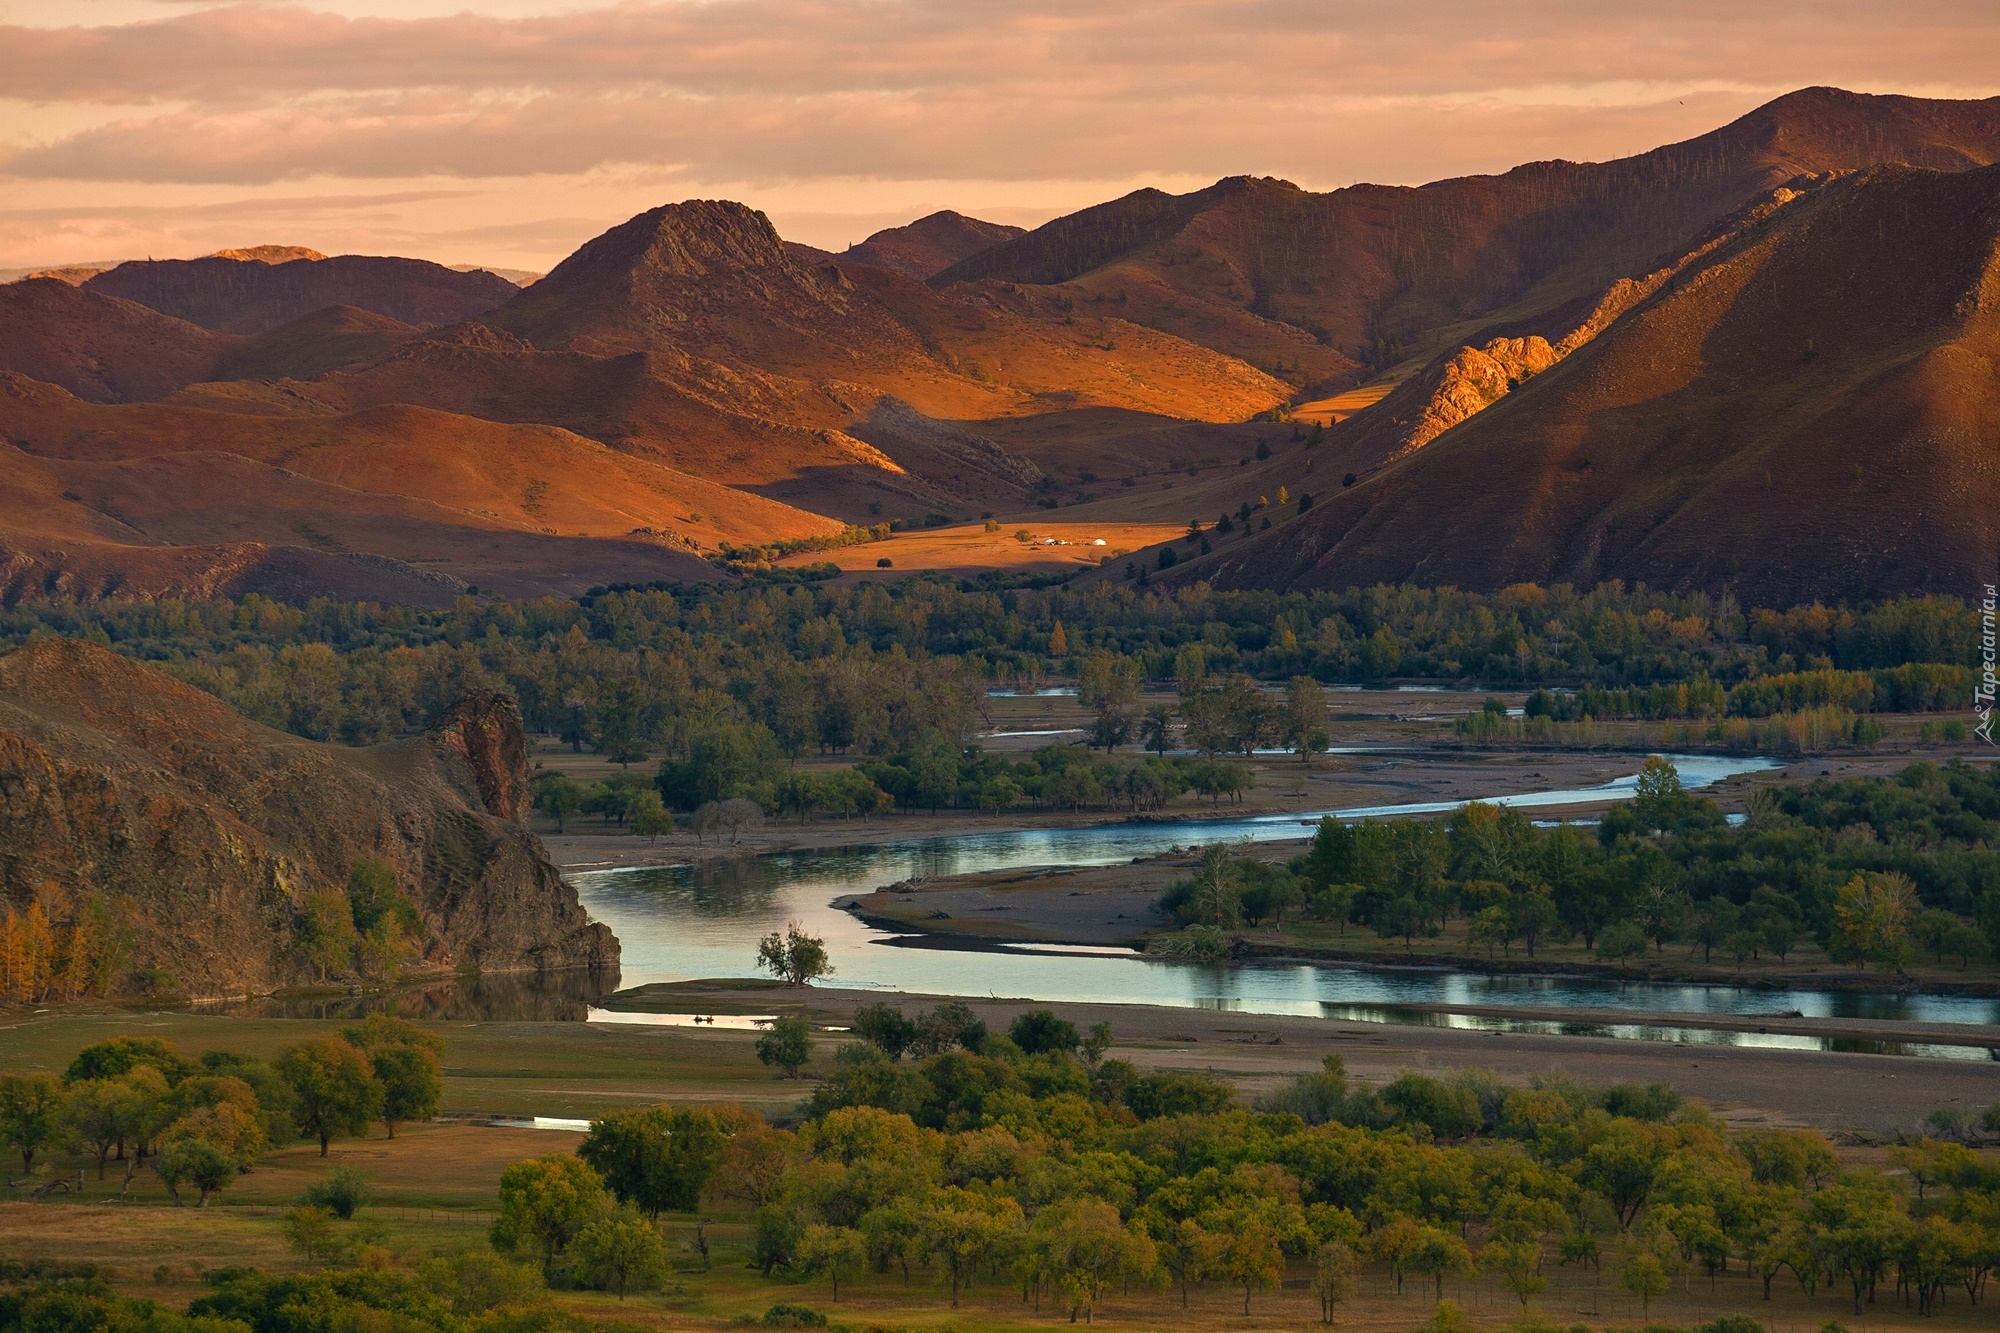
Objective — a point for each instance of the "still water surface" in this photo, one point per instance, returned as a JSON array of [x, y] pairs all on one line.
[[682, 922]]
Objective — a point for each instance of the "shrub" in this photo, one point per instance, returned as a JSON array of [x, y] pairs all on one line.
[[340, 1192]]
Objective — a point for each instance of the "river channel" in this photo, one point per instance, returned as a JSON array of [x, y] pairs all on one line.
[[686, 922]]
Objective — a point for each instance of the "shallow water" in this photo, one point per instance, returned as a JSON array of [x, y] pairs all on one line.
[[681, 923]]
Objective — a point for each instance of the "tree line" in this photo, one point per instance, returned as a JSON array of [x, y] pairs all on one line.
[[874, 667], [198, 1123], [1875, 871], [1027, 1161]]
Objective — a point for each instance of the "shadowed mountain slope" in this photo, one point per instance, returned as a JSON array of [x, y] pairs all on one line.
[[930, 244], [250, 296], [203, 835], [1810, 411], [99, 347], [1314, 285]]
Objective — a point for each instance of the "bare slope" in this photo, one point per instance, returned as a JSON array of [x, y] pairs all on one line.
[[930, 244], [244, 295], [1311, 285], [100, 347], [1811, 411], [204, 835]]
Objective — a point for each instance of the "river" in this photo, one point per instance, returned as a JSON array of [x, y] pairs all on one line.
[[686, 922]]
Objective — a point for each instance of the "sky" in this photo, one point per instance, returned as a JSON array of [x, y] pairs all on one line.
[[507, 132]]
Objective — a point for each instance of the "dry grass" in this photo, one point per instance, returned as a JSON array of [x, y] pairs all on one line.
[[971, 548]]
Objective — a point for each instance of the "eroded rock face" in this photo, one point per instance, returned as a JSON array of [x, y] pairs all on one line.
[[202, 834]]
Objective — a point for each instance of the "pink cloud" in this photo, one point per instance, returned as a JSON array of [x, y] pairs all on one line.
[[771, 92]]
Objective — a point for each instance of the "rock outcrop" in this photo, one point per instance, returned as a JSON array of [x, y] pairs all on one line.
[[201, 835]]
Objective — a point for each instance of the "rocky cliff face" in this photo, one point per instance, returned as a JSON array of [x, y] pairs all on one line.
[[202, 835]]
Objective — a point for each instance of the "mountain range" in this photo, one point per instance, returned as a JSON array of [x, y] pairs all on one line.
[[1760, 359]]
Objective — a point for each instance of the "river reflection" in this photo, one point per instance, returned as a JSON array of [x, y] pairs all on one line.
[[680, 922]]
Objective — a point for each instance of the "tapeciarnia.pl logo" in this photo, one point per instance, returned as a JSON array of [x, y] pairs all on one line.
[[1982, 696]]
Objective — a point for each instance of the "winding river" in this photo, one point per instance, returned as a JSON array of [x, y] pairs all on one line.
[[685, 922]]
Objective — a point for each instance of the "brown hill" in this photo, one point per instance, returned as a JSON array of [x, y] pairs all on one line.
[[203, 836], [523, 510], [930, 244], [339, 335], [98, 347], [1808, 411], [234, 296], [1312, 285]]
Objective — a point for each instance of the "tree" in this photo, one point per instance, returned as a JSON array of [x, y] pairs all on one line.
[[31, 1115], [309, 1232], [1439, 1253], [410, 1081], [788, 1045], [964, 1230], [545, 1203], [1082, 1246], [1644, 1276], [1872, 915], [333, 1087], [794, 957], [1334, 1269], [1395, 1244], [658, 1159], [1156, 729], [1517, 1264], [326, 932], [649, 818], [1039, 1030], [1186, 1250], [340, 1192], [886, 1027], [1251, 1257], [831, 1250], [197, 1162], [104, 1113], [619, 1253], [558, 797]]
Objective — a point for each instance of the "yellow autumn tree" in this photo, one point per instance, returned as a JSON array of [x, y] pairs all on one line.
[[1058, 642], [1872, 915]]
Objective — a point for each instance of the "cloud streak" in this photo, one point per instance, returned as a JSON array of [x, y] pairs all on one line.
[[779, 92]]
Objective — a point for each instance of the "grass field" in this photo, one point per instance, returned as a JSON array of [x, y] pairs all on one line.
[[434, 1193]]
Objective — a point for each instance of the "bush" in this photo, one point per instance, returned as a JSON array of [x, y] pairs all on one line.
[[786, 1315], [343, 1190], [1039, 1030]]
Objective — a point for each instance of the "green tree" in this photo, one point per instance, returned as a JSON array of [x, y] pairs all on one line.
[[886, 1027], [1440, 1254], [834, 1251], [794, 957], [339, 1193], [788, 1044], [1644, 1276], [411, 1084], [558, 797], [658, 1159], [31, 1115], [197, 1162], [309, 1233], [545, 1203], [619, 1253], [326, 932], [1517, 1266], [333, 1087], [964, 1231]]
